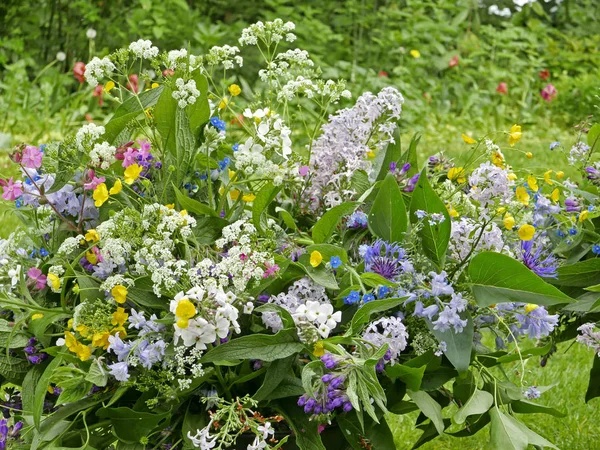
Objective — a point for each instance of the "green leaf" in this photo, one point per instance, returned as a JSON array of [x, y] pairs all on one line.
[[319, 274], [305, 430], [581, 274], [498, 278], [387, 218], [191, 424], [13, 368], [10, 337], [193, 206], [323, 229], [41, 388], [263, 198], [505, 432], [410, 156], [593, 136], [287, 218], [276, 372], [185, 146], [327, 251], [526, 407], [129, 110], [429, 407], [89, 289], [208, 229], [363, 314], [458, 345], [164, 118], [199, 112], [593, 389], [290, 386], [479, 403], [393, 153], [379, 434], [435, 238], [130, 426], [411, 376], [375, 280], [97, 374], [257, 346]]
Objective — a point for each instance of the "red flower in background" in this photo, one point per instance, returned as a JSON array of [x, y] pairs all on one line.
[[502, 88], [132, 85], [454, 61], [168, 72], [78, 71], [98, 91], [544, 74], [549, 92], [383, 73]]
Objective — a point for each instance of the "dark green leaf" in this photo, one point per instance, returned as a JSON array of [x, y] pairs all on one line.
[[305, 430], [276, 372], [581, 274], [393, 153], [378, 435], [361, 317], [593, 389], [387, 218], [41, 388], [505, 432], [411, 376], [527, 407], [130, 426], [323, 229], [479, 403], [260, 204], [429, 407], [193, 206]]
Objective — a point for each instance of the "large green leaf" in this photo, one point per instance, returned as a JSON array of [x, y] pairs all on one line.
[[392, 153], [276, 372], [581, 274], [265, 347], [435, 238], [387, 218], [260, 204], [185, 146], [193, 206], [130, 426], [458, 345], [378, 435], [505, 432], [11, 337], [164, 118], [129, 110], [429, 407], [478, 403], [498, 278], [410, 155], [411, 376], [199, 112], [305, 430], [43, 381], [362, 315], [526, 407], [323, 229], [320, 274], [593, 389]]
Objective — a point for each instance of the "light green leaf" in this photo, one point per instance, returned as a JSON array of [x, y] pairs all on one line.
[[505, 432], [458, 345], [193, 206], [478, 403], [362, 316], [429, 407], [323, 229], [411, 376], [263, 198], [387, 218]]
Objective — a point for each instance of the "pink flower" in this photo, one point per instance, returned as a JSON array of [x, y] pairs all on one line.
[[32, 157], [132, 85], [130, 157], [12, 190], [98, 91], [144, 153], [271, 270], [38, 277], [303, 171], [78, 71], [549, 93], [94, 183], [502, 88], [454, 61]]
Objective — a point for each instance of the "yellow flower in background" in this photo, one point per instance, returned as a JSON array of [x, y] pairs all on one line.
[[170, 206], [70, 341], [100, 195], [234, 90], [223, 103], [231, 174], [83, 330], [451, 211], [53, 281], [316, 258], [583, 216], [154, 85], [249, 197], [319, 349], [511, 176], [92, 236], [560, 174], [132, 173], [117, 187], [234, 194], [526, 232], [522, 195], [457, 174], [109, 86], [119, 293], [121, 330], [547, 178], [532, 183], [415, 53], [37, 316], [468, 139], [371, 154], [119, 317], [183, 213], [529, 155], [509, 222], [498, 159], [530, 307], [555, 195], [515, 135]]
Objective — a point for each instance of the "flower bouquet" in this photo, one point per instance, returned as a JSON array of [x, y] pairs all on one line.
[[259, 268]]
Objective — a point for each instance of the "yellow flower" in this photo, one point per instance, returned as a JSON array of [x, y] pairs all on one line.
[[547, 178], [526, 232], [319, 349], [109, 86], [468, 139], [560, 174], [54, 281], [555, 195], [511, 176], [83, 352], [119, 293], [529, 155], [70, 341], [530, 307], [371, 154], [100, 340], [451, 211], [415, 53], [223, 103], [100, 194], [119, 317], [92, 236], [183, 323], [154, 85], [315, 258], [234, 194], [121, 330], [83, 330], [234, 90], [501, 210], [532, 183], [37, 316], [170, 206], [185, 309], [70, 323], [515, 135], [231, 174], [249, 197], [91, 257], [583, 216], [509, 222], [117, 187], [498, 159], [132, 173], [522, 195], [457, 174], [183, 213]]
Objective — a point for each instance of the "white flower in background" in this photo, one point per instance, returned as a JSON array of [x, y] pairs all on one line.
[[98, 68], [90, 33], [202, 438], [225, 55], [103, 155], [61, 56], [268, 33], [490, 186], [143, 49], [87, 135], [186, 93]]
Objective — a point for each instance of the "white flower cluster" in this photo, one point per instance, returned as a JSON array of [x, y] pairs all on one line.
[[269, 33], [103, 155], [330, 90], [186, 93], [225, 55], [98, 68], [69, 245], [87, 135], [346, 143], [288, 63], [143, 49], [388, 330], [578, 153], [490, 186], [467, 237], [116, 280]]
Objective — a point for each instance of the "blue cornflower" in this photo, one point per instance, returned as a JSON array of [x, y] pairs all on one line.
[[32, 254], [43, 147], [335, 262], [43, 252], [368, 298], [18, 203], [541, 262], [553, 145], [217, 123], [28, 181], [384, 259], [382, 291], [532, 393], [235, 147], [352, 298], [596, 249]]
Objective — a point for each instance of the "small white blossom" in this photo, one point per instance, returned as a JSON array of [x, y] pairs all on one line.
[[143, 49]]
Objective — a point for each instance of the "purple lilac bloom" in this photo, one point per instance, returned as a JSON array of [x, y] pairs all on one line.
[[532, 393], [541, 261], [384, 259]]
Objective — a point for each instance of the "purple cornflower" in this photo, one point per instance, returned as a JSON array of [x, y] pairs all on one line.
[[541, 261], [384, 259]]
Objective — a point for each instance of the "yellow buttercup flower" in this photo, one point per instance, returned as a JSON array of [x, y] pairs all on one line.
[[468, 139], [532, 183], [526, 232], [515, 135], [530, 307], [501, 210], [53, 281], [117, 187], [249, 197], [183, 213], [319, 349], [234, 90], [415, 53], [511, 176], [223, 103], [91, 257], [37, 316], [83, 330], [70, 341], [583, 216], [119, 293], [457, 174], [522, 195], [231, 174], [121, 330], [315, 258], [451, 211], [555, 195], [371, 154], [101, 339], [509, 222], [109, 86], [83, 352], [185, 309], [547, 178], [100, 195], [234, 194], [119, 317], [560, 174], [498, 159], [92, 236], [170, 206], [154, 85], [132, 173], [529, 155]]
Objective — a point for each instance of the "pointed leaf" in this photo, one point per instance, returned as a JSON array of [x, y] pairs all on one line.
[[505, 432], [480, 402], [263, 198], [325, 226], [458, 345], [387, 218], [429, 407]]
